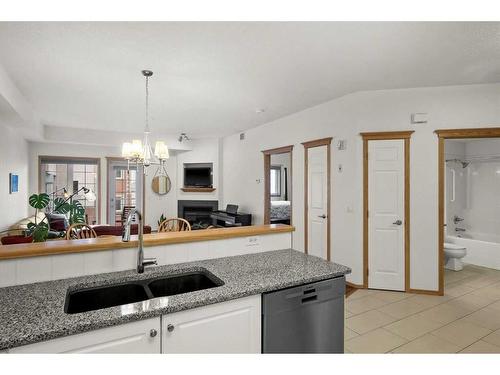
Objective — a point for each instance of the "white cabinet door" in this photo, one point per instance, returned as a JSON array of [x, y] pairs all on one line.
[[136, 337], [228, 327]]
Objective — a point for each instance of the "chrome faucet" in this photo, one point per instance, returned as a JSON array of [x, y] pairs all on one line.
[[459, 229], [457, 219], [141, 262]]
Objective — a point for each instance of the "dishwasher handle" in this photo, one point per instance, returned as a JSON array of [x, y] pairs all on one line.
[[309, 299], [302, 296]]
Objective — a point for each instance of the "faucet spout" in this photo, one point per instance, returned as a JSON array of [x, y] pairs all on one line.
[[141, 261]]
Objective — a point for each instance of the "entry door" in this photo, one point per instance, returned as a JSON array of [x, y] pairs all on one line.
[[124, 189], [386, 215], [317, 179]]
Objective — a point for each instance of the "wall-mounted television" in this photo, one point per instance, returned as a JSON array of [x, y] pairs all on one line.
[[198, 175]]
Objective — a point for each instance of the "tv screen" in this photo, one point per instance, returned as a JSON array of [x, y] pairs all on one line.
[[198, 176]]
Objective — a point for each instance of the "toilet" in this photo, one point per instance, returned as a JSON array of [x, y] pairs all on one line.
[[453, 255]]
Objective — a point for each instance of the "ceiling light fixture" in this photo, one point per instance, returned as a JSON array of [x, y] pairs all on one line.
[[141, 152], [183, 137]]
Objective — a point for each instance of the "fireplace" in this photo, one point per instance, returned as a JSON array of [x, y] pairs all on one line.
[[197, 212]]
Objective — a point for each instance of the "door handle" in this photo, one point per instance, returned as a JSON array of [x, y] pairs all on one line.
[[398, 222], [322, 216]]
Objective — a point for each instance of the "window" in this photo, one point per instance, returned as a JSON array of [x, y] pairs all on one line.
[[275, 181], [59, 173]]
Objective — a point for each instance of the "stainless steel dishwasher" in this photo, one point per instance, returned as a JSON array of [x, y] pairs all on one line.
[[304, 319]]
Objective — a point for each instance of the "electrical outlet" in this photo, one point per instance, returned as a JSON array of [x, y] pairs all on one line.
[[253, 241]]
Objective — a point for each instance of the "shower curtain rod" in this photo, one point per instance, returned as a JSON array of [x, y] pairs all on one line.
[[476, 159]]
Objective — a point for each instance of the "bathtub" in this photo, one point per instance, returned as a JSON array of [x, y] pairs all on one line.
[[483, 249]]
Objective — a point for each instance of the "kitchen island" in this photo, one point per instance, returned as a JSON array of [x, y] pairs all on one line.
[[60, 259], [35, 313]]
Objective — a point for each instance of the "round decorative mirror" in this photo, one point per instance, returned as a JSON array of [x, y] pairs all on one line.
[[161, 184]]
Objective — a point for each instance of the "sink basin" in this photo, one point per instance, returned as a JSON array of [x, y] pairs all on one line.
[[100, 298], [91, 299], [179, 284]]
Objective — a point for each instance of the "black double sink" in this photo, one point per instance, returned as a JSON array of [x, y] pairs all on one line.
[[96, 298]]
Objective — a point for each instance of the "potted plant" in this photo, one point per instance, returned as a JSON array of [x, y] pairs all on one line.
[[40, 230], [162, 219]]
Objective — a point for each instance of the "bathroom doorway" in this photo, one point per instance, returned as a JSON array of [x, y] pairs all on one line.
[[468, 215]]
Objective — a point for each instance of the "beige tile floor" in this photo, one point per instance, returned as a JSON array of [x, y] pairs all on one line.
[[466, 319]]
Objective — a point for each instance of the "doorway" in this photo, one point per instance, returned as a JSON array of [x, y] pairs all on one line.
[[124, 189], [458, 164], [278, 185], [386, 210], [317, 195]]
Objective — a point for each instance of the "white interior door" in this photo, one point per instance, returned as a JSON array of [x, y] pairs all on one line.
[[386, 257], [317, 223]]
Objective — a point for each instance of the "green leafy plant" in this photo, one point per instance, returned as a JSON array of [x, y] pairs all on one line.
[[76, 213], [162, 219], [75, 210], [39, 201], [40, 230]]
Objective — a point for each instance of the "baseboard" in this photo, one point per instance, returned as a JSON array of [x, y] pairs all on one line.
[[414, 291], [424, 291], [355, 286], [350, 288]]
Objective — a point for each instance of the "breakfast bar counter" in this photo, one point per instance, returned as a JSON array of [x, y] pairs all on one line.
[[153, 239]]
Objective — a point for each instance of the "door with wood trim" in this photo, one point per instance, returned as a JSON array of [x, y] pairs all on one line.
[[386, 213], [317, 201], [125, 184]]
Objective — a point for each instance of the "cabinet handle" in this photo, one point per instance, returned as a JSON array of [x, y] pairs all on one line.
[[170, 327], [153, 333]]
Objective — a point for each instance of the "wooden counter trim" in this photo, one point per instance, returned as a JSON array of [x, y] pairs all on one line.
[[154, 239]]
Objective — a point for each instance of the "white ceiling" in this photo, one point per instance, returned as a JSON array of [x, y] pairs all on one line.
[[211, 77]]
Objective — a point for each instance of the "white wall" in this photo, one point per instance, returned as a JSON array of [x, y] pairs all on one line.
[[13, 159], [344, 118]]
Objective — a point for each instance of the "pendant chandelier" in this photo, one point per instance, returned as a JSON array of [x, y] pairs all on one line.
[[140, 152]]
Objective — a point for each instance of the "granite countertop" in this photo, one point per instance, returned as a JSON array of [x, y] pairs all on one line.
[[35, 312]]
